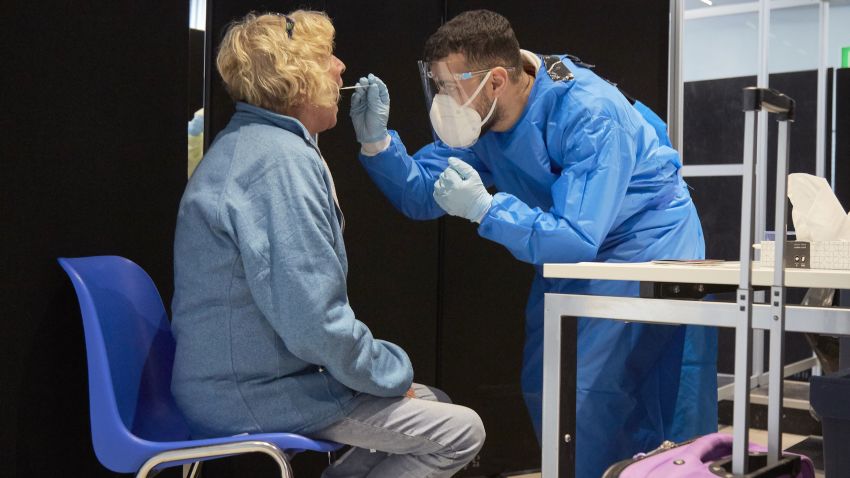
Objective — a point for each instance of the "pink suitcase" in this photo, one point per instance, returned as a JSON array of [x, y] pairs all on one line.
[[709, 457]]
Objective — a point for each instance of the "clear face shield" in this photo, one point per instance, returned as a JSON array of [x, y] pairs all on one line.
[[451, 97]]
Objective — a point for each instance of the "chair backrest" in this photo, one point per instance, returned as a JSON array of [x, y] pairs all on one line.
[[130, 352]]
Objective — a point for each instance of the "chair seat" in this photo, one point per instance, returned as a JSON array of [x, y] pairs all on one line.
[[285, 441]]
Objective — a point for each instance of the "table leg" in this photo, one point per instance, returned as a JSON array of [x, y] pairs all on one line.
[[560, 347]]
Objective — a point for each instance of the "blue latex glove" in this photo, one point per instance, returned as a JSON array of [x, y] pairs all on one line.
[[370, 110], [460, 192]]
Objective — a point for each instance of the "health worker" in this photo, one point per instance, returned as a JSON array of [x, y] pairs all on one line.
[[582, 174]]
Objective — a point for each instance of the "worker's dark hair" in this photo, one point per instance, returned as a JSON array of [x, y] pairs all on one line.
[[485, 38]]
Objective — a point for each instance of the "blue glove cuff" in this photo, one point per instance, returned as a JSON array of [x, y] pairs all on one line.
[[373, 139], [376, 147]]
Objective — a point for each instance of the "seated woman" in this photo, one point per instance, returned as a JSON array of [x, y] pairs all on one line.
[[266, 339]]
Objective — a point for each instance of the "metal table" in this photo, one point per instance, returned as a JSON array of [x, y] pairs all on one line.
[[562, 311]]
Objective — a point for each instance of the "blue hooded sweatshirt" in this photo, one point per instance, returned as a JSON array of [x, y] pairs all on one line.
[[266, 338]]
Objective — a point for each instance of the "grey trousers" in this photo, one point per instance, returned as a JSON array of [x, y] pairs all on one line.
[[423, 437]]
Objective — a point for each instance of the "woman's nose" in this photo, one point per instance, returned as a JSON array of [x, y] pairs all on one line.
[[340, 65]]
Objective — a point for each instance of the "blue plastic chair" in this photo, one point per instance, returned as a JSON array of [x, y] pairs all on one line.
[[135, 423]]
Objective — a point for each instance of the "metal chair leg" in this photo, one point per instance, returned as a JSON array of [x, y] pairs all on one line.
[[197, 453], [192, 470]]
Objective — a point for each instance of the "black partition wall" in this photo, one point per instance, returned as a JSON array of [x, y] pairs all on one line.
[[842, 136], [93, 162], [466, 296], [94, 124], [453, 300]]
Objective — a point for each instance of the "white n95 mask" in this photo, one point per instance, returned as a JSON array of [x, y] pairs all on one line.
[[458, 125]]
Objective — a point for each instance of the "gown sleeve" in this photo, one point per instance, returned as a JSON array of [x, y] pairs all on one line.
[[408, 181], [587, 198]]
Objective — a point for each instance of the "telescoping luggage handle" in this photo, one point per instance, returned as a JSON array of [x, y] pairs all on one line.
[[772, 101], [754, 100]]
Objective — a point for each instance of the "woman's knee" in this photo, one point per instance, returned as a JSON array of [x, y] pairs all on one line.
[[471, 434]]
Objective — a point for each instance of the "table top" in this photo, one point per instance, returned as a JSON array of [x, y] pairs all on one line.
[[718, 273]]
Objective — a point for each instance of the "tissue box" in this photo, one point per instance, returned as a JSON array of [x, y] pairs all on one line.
[[796, 254], [822, 254]]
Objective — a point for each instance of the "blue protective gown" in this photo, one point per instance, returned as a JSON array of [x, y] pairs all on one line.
[[585, 176]]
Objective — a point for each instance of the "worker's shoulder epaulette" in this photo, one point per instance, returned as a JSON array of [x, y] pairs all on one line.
[[556, 69]]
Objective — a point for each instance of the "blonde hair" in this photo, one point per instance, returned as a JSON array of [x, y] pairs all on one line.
[[263, 65]]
